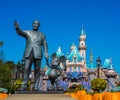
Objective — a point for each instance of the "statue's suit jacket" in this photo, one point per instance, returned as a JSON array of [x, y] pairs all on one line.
[[35, 40]]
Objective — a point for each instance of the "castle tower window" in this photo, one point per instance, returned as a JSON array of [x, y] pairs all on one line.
[[78, 68], [74, 68], [75, 60], [70, 69]]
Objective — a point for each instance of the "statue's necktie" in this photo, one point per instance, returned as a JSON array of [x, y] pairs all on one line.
[[34, 35]]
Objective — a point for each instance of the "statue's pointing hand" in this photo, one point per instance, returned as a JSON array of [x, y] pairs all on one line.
[[16, 25]]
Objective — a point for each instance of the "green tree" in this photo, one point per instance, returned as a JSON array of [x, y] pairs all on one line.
[[1, 52], [5, 75], [98, 84]]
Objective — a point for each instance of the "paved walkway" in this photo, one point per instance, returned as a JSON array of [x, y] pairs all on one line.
[[39, 97]]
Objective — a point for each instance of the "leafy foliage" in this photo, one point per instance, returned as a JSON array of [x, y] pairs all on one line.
[[98, 84], [77, 88], [5, 75], [118, 84], [17, 84], [2, 56]]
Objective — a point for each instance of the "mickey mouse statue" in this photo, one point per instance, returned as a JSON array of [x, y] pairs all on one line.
[[57, 66]]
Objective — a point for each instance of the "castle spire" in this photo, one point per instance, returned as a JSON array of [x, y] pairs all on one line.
[[91, 56], [59, 52], [59, 49], [82, 45], [82, 30], [111, 66]]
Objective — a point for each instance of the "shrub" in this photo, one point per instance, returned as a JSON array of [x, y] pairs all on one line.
[[17, 84], [77, 88], [98, 84]]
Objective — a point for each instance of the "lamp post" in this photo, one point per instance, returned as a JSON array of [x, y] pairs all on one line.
[[98, 65]]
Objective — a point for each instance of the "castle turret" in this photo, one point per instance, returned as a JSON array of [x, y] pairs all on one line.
[[82, 45], [91, 68], [59, 52], [111, 76], [111, 72], [91, 56], [72, 47]]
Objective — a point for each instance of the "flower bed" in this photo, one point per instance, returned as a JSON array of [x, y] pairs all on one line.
[[82, 95]]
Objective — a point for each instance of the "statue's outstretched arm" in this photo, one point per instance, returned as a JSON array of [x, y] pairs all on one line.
[[18, 30]]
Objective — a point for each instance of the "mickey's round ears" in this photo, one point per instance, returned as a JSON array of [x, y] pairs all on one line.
[[62, 59], [54, 55]]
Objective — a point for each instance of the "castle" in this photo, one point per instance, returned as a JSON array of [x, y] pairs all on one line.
[[81, 71]]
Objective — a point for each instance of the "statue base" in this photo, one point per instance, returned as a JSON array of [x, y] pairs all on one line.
[[39, 92]]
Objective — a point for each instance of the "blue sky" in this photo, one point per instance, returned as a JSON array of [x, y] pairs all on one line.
[[61, 22]]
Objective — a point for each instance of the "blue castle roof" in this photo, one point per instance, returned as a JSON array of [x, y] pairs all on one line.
[[91, 65], [59, 52], [108, 64], [74, 53]]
